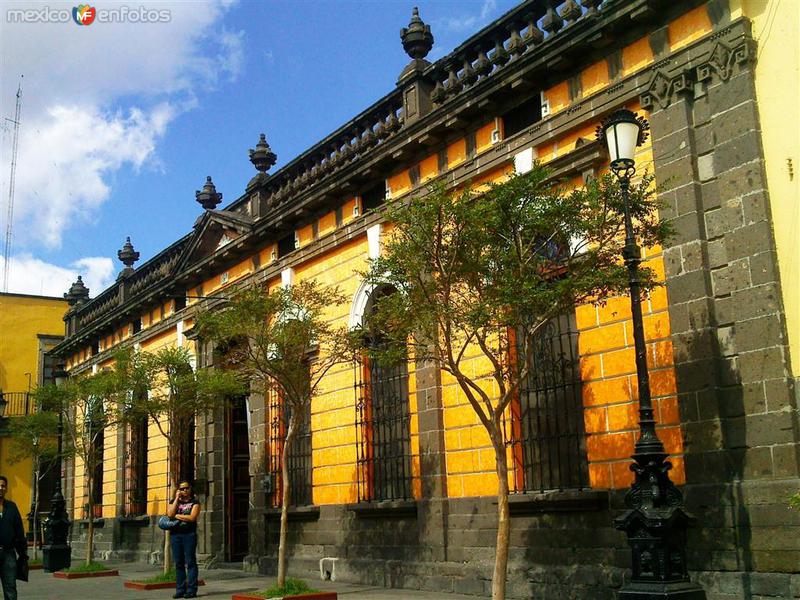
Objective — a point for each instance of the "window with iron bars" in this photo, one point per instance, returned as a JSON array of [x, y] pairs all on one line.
[[545, 430], [97, 437], [299, 459], [182, 458], [135, 494], [383, 431]]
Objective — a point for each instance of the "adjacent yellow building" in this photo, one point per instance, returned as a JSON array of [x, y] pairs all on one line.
[[29, 326]]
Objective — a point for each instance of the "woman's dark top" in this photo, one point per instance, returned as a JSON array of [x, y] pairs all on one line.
[[185, 508]]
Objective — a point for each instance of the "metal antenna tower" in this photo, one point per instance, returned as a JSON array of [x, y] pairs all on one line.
[[10, 215]]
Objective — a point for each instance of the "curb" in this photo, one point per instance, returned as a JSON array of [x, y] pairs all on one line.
[[309, 596], [63, 575], [164, 585]]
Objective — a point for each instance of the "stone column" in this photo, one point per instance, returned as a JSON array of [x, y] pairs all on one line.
[[210, 460], [257, 526], [726, 313], [433, 507]]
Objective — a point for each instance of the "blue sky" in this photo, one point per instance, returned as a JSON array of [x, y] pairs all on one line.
[[122, 122]]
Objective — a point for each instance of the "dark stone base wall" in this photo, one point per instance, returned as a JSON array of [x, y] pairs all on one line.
[[746, 548], [135, 540], [575, 555]]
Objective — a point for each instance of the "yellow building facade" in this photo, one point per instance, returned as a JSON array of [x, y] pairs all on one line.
[[532, 86], [29, 327]]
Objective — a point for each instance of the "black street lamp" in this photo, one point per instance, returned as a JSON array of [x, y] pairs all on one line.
[[655, 520], [56, 553]]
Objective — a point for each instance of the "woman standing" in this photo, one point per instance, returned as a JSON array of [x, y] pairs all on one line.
[[183, 540]]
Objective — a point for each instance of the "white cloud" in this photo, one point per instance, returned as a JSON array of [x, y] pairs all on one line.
[[29, 275], [62, 177], [96, 99], [459, 24]]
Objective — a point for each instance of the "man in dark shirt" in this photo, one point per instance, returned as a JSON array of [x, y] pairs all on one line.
[[12, 538]]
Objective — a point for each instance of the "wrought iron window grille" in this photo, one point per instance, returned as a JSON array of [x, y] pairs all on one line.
[[135, 472], [545, 429], [383, 431], [299, 461], [182, 467]]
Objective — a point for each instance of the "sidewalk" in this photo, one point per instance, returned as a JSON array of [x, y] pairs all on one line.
[[220, 583]]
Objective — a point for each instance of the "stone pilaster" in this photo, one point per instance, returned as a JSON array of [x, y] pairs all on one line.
[[258, 469], [433, 507], [727, 320]]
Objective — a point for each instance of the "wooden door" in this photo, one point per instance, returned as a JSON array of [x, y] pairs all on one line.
[[238, 480]]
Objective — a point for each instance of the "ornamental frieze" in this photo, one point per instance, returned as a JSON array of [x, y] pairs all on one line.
[[719, 64]]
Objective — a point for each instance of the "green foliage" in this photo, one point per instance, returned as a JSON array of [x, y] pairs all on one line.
[[162, 386], [292, 586], [468, 275], [794, 501], [87, 405], [167, 577], [280, 339], [468, 268], [34, 436], [90, 567]]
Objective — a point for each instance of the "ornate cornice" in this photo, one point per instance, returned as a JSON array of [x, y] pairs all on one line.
[[716, 59]]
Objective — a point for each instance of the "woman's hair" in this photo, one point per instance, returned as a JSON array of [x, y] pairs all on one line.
[[186, 481]]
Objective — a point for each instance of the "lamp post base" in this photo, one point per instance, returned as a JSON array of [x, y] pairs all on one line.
[[662, 591], [56, 557]]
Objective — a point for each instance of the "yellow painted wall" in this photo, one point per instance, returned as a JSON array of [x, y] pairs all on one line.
[[19, 479], [22, 318], [333, 410], [776, 27]]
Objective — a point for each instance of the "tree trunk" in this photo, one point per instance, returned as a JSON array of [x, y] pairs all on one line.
[[90, 530], [285, 499], [503, 522]]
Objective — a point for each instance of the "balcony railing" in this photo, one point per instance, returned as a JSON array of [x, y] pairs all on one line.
[[17, 404]]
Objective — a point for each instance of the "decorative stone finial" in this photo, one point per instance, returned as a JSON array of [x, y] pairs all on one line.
[[77, 293], [262, 157], [208, 198], [417, 37], [128, 256]]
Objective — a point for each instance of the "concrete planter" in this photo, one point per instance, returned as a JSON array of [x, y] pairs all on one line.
[[309, 596], [107, 573], [164, 585]]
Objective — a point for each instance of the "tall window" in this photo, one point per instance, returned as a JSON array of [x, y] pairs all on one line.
[[182, 466], [299, 460], [383, 426], [94, 422], [135, 499], [546, 431]]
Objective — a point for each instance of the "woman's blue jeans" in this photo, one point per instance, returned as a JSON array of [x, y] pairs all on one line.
[[184, 553]]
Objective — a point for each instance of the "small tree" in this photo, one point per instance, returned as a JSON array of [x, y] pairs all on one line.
[[34, 437], [482, 273], [87, 407], [282, 341], [164, 388]]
